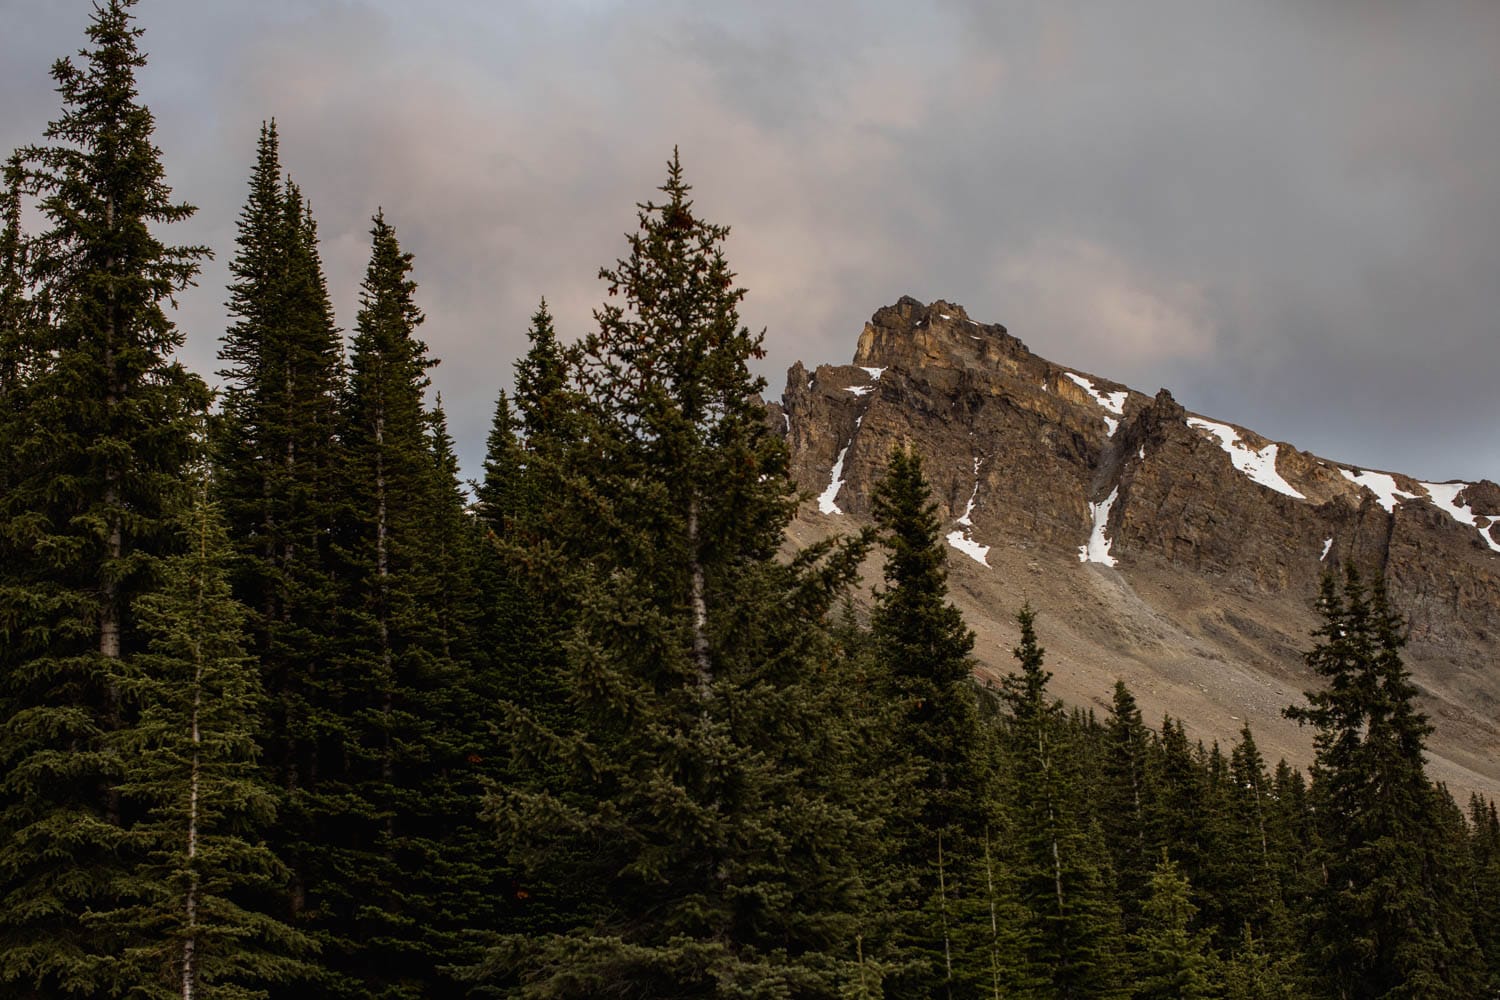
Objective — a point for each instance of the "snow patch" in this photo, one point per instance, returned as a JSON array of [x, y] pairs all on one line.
[[836, 479], [1327, 544], [1260, 465], [1141, 455], [825, 502], [860, 390], [960, 540], [1382, 485], [787, 417], [874, 373], [1114, 402], [945, 316], [1097, 548], [969, 547], [1444, 497], [964, 518]]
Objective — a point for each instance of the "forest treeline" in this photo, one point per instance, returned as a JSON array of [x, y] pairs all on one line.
[[285, 711]]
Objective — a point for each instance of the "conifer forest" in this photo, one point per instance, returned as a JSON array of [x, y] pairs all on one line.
[[289, 710]]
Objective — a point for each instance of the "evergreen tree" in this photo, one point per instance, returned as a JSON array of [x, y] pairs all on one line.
[[1062, 868], [706, 797], [1484, 885], [921, 641], [1125, 797], [399, 763], [1388, 922], [1255, 973], [189, 918], [544, 400], [102, 427], [278, 456], [1173, 960], [14, 306], [1251, 866]]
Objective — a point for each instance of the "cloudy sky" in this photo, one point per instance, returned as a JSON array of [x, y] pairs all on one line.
[[1286, 212]]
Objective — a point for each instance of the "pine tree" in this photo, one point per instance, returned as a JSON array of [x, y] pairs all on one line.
[[706, 798], [921, 641], [190, 919], [1387, 918], [1062, 867], [102, 429]]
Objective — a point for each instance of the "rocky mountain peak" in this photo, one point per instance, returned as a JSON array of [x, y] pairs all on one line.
[[1074, 485]]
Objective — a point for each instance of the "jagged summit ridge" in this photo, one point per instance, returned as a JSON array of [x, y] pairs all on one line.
[[1081, 482], [936, 350]]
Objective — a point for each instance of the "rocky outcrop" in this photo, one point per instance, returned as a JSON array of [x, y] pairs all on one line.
[[1073, 473]]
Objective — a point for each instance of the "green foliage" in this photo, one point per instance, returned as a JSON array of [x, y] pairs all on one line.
[[1063, 877], [97, 430], [707, 793], [189, 913], [1173, 958], [1387, 919], [400, 871], [922, 645]]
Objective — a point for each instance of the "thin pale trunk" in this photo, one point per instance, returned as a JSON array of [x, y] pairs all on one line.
[[1057, 876], [943, 909], [859, 950], [700, 606], [190, 938], [989, 881]]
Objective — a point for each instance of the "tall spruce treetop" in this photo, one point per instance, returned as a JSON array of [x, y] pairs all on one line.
[[701, 792], [1389, 920], [667, 369], [923, 639], [102, 429], [111, 412], [542, 380]]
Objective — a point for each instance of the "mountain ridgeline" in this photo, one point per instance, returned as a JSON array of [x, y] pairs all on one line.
[[1177, 551]]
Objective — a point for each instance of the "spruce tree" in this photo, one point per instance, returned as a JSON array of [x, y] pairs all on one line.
[[1173, 959], [1387, 919], [1484, 885], [1125, 797], [278, 457], [393, 881], [14, 305], [1254, 972], [102, 429], [705, 798], [1063, 873], [189, 915], [1253, 875], [922, 643]]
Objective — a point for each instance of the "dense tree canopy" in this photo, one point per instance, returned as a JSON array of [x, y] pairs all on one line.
[[287, 710]]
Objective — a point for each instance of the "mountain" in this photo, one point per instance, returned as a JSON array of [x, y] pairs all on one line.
[[1176, 551]]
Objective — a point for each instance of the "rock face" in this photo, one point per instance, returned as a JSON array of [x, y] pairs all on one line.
[[1163, 545]]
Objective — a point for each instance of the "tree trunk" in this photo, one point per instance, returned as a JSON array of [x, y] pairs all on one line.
[[700, 606]]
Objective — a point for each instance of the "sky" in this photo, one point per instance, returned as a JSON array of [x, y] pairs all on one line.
[[1287, 213]]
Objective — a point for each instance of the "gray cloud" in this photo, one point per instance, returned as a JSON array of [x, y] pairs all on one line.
[[1288, 214]]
